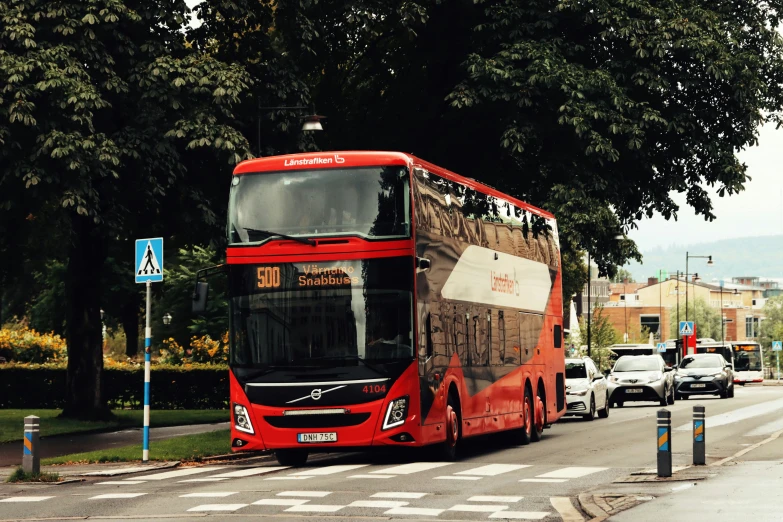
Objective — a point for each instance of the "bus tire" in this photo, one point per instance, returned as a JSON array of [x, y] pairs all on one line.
[[447, 450], [291, 457], [539, 415], [524, 435]]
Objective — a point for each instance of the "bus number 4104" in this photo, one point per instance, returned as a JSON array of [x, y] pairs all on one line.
[[378, 388]]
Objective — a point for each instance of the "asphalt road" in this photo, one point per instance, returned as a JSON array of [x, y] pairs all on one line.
[[492, 481]]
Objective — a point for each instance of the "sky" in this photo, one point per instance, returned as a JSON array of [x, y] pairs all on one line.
[[756, 211]]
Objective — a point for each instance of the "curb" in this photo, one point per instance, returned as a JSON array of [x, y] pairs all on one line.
[[591, 508]]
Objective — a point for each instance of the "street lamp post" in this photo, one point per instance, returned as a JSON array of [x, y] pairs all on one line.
[[687, 257], [167, 319], [312, 122], [589, 301]]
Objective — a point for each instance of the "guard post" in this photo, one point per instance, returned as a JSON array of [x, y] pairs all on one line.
[[699, 451], [31, 458], [664, 443]]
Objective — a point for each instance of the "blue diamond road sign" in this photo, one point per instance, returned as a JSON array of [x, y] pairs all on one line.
[[149, 260], [686, 327], [777, 346]]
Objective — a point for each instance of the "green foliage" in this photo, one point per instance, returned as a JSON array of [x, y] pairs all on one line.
[[20, 475], [186, 448], [623, 275], [25, 345], [191, 387], [602, 335], [771, 328], [707, 319]]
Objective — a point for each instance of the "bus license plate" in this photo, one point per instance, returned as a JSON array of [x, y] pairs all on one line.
[[633, 390], [698, 385], [316, 437]]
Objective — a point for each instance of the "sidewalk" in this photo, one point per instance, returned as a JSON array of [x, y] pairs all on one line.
[[11, 452], [744, 491]]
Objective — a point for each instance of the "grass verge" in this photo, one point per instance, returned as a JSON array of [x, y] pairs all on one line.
[[20, 475], [188, 447], [12, 421]]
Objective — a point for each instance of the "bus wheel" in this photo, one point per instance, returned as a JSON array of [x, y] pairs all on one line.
[[291, 457], [539, 418], [524, 435], [448, 449]]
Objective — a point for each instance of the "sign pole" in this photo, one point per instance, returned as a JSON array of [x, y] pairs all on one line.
[[145, 453], [777, 360]]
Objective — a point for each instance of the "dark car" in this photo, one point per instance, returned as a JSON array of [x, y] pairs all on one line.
[[704, 374]]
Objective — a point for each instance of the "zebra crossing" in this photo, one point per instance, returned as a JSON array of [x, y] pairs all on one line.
[[398, 491]]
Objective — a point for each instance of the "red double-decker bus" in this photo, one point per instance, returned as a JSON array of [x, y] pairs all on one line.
[[379, 300]]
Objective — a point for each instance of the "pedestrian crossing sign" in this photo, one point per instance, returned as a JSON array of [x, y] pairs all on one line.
[[686, 327], [149, 260], [661, 347], [777, 346]]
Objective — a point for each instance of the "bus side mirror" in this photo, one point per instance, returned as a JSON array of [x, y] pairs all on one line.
[[423, 263], [200, 297]]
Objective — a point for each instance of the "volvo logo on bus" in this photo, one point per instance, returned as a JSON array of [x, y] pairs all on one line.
[[315, 394]]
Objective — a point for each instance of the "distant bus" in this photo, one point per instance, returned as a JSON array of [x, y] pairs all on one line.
[[724, 349], [748, 362], [670, 356]]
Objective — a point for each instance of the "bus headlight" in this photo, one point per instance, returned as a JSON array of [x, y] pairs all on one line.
[[242, 419], [396, 413]]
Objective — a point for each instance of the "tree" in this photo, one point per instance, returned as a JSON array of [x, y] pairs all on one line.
[[595, 111], [623, 275], [707, 319], [104, 109], [771, 327], [602, 335]]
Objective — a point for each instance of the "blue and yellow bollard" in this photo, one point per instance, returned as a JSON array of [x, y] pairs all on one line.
[[664, 443], [31, 458], [699, 431]]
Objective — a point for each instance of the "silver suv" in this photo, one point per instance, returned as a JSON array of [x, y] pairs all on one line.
[[641, 378]]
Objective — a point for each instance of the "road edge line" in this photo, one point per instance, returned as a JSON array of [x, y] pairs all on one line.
[[740, 453]]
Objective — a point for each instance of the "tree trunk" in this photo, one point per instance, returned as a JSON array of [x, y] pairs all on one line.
[[84, 383], [130, 324]]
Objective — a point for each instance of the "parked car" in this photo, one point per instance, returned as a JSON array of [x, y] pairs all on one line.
[[641, 378], [704, 374], [586, 389]]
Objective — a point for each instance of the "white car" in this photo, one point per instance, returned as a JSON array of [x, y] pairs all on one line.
[[586, 389]]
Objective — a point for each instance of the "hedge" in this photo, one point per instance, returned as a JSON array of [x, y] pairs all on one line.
[[192, 388]]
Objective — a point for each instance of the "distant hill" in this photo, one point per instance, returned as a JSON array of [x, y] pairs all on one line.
[[760, 256]]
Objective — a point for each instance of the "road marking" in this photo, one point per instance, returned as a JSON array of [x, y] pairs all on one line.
[[740, 414], [117, 495], [210, 494], [414, 511], [287, 478], [176, 473], [494, 498], [328, 470], [654, 471], [566, 509], [767, 429], [452, 477], [202, 480], [319, 494], [491, 470], [415, 467], [377, 503], [546, 480], [281, 502], [751, 448], [317, 508], [119, 482], [249, 472], [217, 507], [25, 499], [397, 494], [372, 476], [569, 473], [526, 515], [684, 486], [478, 508]]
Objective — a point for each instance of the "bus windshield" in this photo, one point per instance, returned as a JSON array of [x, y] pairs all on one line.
[[321, 313], [371, 202], [747, 358]]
